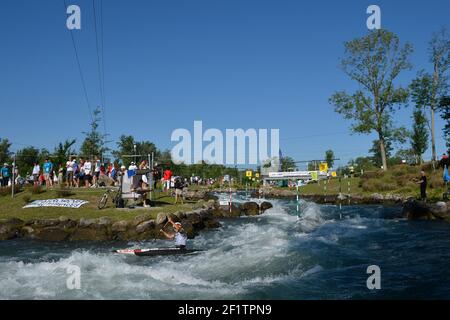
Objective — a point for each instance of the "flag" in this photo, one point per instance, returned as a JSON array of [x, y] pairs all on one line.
[[280, 158], [446, 175]]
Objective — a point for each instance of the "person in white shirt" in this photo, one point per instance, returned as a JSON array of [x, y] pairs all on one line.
[[97, 166], [87, 173], [36, 172], [69, 172]]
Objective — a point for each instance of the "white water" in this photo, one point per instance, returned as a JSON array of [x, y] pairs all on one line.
[[242, 258]]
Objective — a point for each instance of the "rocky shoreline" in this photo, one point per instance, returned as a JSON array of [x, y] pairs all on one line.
[[142, 227]]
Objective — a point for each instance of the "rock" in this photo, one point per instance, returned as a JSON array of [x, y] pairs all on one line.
[[440, 210], [51, 234], [10, 229], [104, 221], [63, 219], [161, 218], [377, 197], [265, 206], [250, 208], [145, 226], [27, 230], [119, 226], [415, 210], [211, 224], [188, 228], [89, 234], [180, 215], [193, 218], [86, 222], [46, 222], [141, 218]]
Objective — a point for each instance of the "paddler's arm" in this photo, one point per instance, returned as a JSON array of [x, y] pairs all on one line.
[[168, 235]]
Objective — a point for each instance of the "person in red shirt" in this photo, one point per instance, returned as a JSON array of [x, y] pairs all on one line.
[[166, 177]]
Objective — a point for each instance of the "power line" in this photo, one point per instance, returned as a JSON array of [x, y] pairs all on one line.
[[79, 68], [100, 63]]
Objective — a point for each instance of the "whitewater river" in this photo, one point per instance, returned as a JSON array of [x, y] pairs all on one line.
[[322, 254]]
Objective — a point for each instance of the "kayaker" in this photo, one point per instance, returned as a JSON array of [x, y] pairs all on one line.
[[179, 234]]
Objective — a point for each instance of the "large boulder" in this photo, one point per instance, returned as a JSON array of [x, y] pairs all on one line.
[[119, 226], [161, 218], [415, 210], [440, 210], [90, 234], [86, 222], [141, 218], [10, 229], [250, 208], [265, 206], [51, 234], [145, 226]]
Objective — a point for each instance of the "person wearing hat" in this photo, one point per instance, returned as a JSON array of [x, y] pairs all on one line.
[[179, 234], [5, 175]]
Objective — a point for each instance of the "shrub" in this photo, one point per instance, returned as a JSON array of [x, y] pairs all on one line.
[[63, 192], [26, 198], [37, 190], [6, 191]]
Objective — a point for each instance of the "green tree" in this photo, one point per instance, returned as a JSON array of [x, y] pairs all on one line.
[[127, 146], [329, 158], [26, 158], [419, 135], [374, 61], [288, 164], [93, 144], [62, 152], [445, 105], [5, 153]]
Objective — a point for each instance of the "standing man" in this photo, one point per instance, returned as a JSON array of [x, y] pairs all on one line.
[[5, 175], [166, 177], [423, 186], [69, 172], [36, 172], [97, 166], [87, 173], [48, 168]]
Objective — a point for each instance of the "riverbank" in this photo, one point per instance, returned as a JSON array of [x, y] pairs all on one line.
[[111, 224]]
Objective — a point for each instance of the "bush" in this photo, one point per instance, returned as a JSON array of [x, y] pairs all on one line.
[[26, 199], [6, 191], [63, 193], [37, 190], [372, 175]]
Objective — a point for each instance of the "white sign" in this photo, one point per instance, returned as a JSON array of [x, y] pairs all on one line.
[[64, 203]]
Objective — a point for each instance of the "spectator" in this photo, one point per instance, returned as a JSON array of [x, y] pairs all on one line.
[[167, 175], [132, 166], [97, 166], [423, 186], [5, 175], [178, 190], [35, 173], [48, 168], [69, 172], [87, 173]]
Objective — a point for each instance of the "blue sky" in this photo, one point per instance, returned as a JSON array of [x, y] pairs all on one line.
[[231, 64]]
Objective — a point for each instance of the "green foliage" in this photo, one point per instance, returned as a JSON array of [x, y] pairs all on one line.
[[26, 158], [5, 153], [329, 157], [288, 164], [374, 61], [445, 105], [419, 136], [93, 144], [125, 146], [62, 152]]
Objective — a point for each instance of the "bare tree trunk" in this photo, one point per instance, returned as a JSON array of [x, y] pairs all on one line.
[[383, 153], [433, 139]]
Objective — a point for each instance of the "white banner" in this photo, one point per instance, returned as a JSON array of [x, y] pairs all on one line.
[[64, 203]]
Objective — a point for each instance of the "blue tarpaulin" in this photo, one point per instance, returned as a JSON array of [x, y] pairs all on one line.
[[446, 175]]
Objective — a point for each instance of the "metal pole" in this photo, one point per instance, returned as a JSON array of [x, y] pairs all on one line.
[[13, 177]]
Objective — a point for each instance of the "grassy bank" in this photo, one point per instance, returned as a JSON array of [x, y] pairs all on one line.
[[13, 208], [398, 180]]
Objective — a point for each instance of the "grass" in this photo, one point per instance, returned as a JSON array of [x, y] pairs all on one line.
[[398, 180], [13, 208]]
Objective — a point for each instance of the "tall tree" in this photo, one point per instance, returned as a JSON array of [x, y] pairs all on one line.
[[5, 153], [26, 158], [93, 144], [374, 61], [288, 164], [445, 105], [439, 49], [377, 158], [329, 158], [126, 146], [63, 151], [419, 135]]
